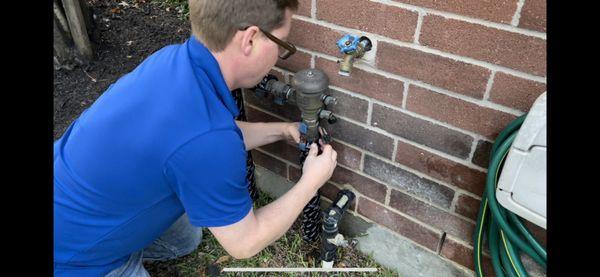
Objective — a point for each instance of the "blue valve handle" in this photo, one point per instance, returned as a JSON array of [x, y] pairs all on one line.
[[348, 43]]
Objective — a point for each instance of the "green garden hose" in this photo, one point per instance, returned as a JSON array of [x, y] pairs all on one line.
[[507, 236]]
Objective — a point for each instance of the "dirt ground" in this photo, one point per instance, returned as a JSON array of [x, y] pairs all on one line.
[[125, 33]]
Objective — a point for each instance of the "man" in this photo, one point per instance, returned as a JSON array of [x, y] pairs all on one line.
[[159, 154]]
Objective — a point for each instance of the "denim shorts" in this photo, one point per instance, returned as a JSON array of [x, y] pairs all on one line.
[[180, 239]]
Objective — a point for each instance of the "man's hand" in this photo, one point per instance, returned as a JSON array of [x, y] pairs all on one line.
[[291, 133], [317, 169]]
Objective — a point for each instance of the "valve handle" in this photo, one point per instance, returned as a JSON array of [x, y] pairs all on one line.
[[348, 43]]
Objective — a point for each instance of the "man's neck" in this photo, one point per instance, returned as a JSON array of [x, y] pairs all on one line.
[[227, 67]]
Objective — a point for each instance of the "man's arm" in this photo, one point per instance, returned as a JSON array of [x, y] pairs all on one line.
[[257, 230], [257, 134]]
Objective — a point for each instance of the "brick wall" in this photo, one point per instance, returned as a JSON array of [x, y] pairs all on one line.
[[418, 115]]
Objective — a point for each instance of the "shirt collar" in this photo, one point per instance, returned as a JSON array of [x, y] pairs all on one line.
[[203, 59]]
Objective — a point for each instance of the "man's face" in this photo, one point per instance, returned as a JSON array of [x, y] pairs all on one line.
[[268, 52]]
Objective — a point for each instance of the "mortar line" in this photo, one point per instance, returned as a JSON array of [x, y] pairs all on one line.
[[488, 87], [428, 50], [517, 16], [312, 60], [369, 111], [473, 149], [418, 29], [404, 95], [388, 193], [449, 15], [453, 203], [313, 9], [395, 151]]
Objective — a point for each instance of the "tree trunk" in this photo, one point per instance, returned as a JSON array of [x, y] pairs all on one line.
[[73, 11]]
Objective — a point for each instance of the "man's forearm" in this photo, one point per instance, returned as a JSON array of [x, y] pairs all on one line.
[[257, 134], [277, 217]]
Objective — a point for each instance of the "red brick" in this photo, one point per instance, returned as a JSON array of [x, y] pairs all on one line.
[[465, 115], [304, 7], [386, 20], [538, 232], [533, 15], [364, 185], [269, 163], [361, 137], [422, 131], [287, 111], [330, 191], [463, 255], [497, 11], [296, 62], [349, 106], [283, 150], [347, 155], [515, 92], [398, 223], [467, 206], [481, 157], [460, 77], [314, 37], [409, 182], [433, 216], [368, 84], [504, 48], [441, 168], [255, 115]]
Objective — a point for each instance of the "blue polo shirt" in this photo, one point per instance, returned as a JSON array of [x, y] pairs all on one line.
[[159, 142]]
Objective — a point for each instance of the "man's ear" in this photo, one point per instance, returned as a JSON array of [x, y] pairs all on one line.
[[249, 37]]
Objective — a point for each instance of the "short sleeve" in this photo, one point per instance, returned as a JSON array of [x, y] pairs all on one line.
[[208, 174]]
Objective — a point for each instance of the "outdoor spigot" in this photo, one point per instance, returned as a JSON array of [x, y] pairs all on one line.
[[331, 239], [353, 47]]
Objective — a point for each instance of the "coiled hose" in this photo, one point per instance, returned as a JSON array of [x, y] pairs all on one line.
[[506, 233]]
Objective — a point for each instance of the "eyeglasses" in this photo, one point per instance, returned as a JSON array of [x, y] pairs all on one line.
[[288, 48]]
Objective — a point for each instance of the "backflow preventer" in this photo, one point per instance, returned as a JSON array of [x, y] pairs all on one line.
[[308, 93]]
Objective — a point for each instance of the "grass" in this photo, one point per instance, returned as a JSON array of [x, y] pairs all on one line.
[[288, 251]]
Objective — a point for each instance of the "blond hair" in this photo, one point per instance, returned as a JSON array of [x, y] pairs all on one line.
[[215, 22]]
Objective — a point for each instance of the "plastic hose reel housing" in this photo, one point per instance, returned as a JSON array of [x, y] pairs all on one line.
[[522, 185]]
